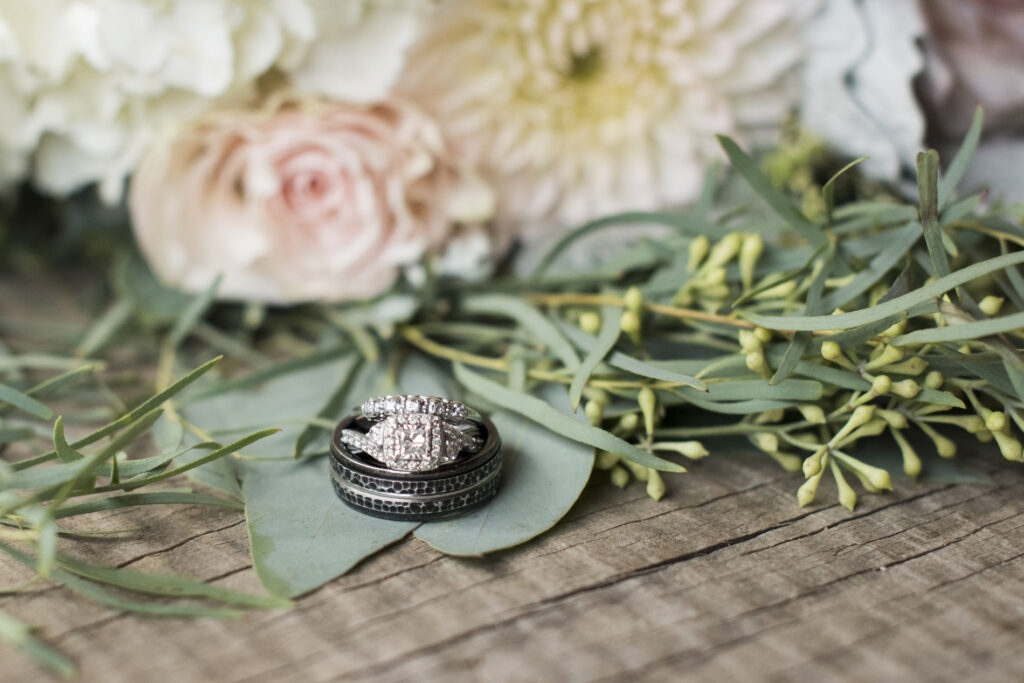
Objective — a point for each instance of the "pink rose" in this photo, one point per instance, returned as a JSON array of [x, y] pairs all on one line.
[[306, 202], [978, 51]]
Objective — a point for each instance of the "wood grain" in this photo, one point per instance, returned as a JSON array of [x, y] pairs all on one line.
[[725, 580]]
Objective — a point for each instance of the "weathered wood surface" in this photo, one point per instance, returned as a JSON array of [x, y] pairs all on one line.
[[724, 580]]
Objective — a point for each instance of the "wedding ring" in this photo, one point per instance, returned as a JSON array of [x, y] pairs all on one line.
[[415, 433], [368, 485]]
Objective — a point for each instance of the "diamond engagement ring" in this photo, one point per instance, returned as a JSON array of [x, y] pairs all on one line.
[[414, 433]]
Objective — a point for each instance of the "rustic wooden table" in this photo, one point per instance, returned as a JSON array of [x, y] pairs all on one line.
[[726, 579]]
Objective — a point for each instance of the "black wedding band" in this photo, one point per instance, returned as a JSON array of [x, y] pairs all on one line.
[[372, 488]]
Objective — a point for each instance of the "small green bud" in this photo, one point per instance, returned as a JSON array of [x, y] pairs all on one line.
[[628, 423], [694, 450], [881, 385], [812, 413], [648, 406], [714, 276], [934, 380], [594, 412], [724, 250], [990, 305], [750, 251], [831, 350], [806, 493], [906, 388], [788, 461], [813, 463], [639, 471], [766, 441], [698, 250], [887, 356], [715, 291], [1009, 446], [655, 485], [911, 461], [631, 325], [770, 416], [892, 417], [779, 291], [878, 477], [605, 460], [764, 335], [590, 322], [634, 300], [996, 421], [847, 496], [984, 436], [756, 362], [860, 416], [896, 329], [749, 341], [911, 366], [943, 445], [619, 476]]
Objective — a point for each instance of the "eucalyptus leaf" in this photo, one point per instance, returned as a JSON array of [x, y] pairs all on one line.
[[544, 473], [962, 331], [533, 321], [932, 290], [24, 402], [543, 413], [962, 159], [301, 535], [20, 635]]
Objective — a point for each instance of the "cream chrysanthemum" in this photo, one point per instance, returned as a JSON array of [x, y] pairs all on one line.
[[582, 107]]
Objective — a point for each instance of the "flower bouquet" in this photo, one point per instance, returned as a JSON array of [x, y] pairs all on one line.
[[635, 235]]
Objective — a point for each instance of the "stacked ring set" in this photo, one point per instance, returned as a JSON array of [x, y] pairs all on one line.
[[415, 458]]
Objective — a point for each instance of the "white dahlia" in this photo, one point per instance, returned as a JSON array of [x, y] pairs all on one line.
[[578, 108], [85, 83]]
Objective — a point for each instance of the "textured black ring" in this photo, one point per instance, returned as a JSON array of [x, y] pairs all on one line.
[[447, 491]]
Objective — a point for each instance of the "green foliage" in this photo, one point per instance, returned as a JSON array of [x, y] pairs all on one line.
[[850, 338]]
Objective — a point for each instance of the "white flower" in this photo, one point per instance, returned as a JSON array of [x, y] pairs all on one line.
[[862, 58], [84, 84], [579, 108]]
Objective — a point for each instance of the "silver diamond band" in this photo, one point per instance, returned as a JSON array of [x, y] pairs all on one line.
[[386, 406], [415, 434]]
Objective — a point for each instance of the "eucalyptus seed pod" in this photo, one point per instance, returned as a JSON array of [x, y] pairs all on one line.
[[724, 250], [619, 476], [655, 485], [648, 406], [699, 247], [590, 322], [605, 460], [630, 323], [750, 252], [847, 496], [639, 472], [634, 300], [594, 411], [990, 305]]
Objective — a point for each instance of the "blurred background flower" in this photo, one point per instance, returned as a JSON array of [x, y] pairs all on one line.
[[306, 202], [578, 109], [85, 83]]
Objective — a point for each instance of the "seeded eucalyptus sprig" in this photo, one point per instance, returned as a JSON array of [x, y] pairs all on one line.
[[881, 320], [806, 332]]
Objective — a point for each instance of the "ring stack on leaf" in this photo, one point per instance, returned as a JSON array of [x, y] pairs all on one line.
[[850, 340]]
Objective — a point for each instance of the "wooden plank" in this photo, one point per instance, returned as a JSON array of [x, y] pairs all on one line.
[[727, 579]]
